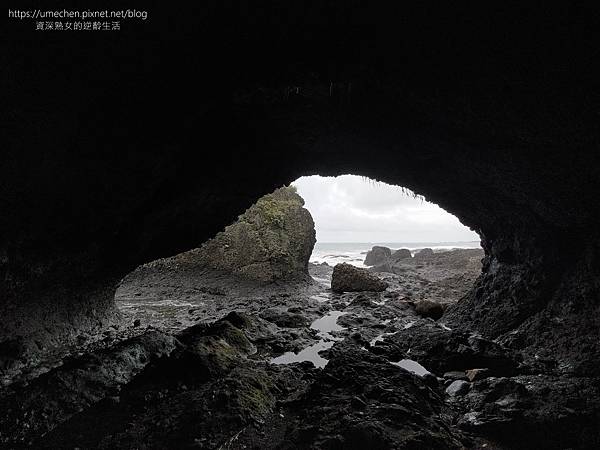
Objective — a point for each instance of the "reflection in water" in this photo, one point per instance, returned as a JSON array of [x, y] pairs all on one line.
[[325, 325], [308, 354]]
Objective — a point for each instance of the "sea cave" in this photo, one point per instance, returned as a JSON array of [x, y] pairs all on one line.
[[162, 152]]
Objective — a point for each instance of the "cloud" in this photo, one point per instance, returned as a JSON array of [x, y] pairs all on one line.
[[354, 209]]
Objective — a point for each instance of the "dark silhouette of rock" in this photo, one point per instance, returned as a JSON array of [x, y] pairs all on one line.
[[81, 383], [427, 308], [348, 278], [400, 254], [272, 240], [442, 350], [384, 393], [377, 255], [534, 411]]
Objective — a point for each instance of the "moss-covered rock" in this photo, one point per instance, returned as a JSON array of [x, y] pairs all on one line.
[[271, 241]]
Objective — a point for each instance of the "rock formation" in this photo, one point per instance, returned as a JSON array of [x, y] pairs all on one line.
[[401, 253], [271, 241], [348, 278], [377, 255], [427, 308], [424, 253]]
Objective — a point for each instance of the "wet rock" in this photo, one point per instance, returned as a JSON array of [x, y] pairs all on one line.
[[458, 387], [442, 350], [377, 255], [455, 375], [356, 399], [348, 278], [272, 240], [78, 384], [364, 301], [284, 318], [477, 374], [427, 308], [534, 411], [400, 254], [238, 319]]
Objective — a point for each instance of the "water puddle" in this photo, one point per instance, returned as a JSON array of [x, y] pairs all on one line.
[[133, 302], [412, 366], [325, 325]]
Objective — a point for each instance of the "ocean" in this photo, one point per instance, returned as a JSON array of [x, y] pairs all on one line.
[[354, 252]]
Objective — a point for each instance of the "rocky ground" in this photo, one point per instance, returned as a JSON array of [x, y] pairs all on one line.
[[204, 360]]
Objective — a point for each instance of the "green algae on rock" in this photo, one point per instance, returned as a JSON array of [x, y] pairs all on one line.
[[271, 241]]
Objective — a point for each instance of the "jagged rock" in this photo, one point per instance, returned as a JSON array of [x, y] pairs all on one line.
[[427, 308], [535, 411], [80, 383], [458, 387], [424, 253], [442, 350], [455, 375], [377, 255], [284, 318], [348, 278], [272, 240], [477, 374], [402, 253], [357, 398]]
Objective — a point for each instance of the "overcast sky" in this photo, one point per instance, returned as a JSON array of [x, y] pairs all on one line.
[[354, 209]]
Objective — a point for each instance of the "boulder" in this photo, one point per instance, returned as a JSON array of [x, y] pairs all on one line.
[[427, 308], [424, 253], [271, 241], [455, 375], [377, 255], [348, 278], [401, 253], [477, 374], [458, 387]]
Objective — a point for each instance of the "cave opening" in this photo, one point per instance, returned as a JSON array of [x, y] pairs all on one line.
[[278, 260], [134, 145], [354, 213]]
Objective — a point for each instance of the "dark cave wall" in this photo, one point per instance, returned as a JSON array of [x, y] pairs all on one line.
[[144, 143]]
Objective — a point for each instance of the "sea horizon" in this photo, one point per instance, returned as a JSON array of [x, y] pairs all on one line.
[[354, 252]]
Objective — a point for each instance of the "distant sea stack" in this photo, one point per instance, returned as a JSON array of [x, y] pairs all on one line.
[[377, 255], [271, 241], [381, 255]]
